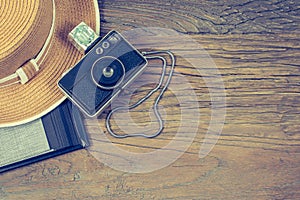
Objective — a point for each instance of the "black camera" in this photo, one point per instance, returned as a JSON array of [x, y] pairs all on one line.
[[109, 66]]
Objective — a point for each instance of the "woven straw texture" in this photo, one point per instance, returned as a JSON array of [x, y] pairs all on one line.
[[25, 26]]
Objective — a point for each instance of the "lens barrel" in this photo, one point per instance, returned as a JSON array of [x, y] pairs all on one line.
[[108, 72]]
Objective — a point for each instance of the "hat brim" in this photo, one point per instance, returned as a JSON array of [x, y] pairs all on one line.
[[19, 103]]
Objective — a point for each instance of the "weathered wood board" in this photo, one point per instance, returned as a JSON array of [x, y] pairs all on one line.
[[255, 46]]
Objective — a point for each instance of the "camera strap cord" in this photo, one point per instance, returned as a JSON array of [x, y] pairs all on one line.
[[148, 55]]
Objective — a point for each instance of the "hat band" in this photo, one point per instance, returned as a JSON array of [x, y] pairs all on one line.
[[29, 69]]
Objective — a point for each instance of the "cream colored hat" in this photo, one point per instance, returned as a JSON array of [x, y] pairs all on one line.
[[35, 52]]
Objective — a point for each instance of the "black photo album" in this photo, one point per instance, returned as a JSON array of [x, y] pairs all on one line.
[[58, 132]]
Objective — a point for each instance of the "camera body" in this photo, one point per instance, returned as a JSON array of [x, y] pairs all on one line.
[[108, 67]]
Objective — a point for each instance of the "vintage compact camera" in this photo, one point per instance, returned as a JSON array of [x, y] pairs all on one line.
[[109, 65]]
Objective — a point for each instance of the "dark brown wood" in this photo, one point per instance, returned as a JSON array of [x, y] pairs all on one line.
[[255, 46], [205, 17]]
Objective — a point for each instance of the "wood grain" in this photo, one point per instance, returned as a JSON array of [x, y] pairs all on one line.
[[256, 48], [205, 17]]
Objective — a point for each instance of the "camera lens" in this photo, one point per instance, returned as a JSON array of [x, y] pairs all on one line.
[[108, 72]]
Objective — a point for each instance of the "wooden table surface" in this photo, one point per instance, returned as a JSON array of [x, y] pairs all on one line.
[[255, 46]]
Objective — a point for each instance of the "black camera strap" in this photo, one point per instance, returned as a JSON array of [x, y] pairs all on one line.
[[148, 55]]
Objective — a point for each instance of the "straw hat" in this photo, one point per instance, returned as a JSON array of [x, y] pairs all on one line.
[[35, 52]]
